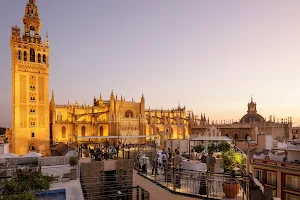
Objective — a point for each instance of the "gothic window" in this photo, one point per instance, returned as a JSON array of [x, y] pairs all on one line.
[[19, 55], [101, 130], [59, 116], [25, 56], [83, 131], [63, 132], [32, 134], [39, 58], [32, 55], [32, 30], [44, 58], [128, 113]]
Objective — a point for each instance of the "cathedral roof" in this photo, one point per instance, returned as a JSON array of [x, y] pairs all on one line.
[[252, 117]]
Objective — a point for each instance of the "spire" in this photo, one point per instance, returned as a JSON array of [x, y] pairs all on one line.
[[52, 94], [32, 2], [251, 98], [100, 98], [31, 19], [47, 39], [52, 97], [112, 95]]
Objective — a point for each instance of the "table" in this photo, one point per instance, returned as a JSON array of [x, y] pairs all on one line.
[[194, 165]]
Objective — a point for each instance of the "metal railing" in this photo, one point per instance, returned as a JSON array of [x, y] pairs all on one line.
[[194, 183], [109, 185]]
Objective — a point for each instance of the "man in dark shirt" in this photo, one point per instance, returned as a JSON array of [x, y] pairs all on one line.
[[211, 161], [203, 158]]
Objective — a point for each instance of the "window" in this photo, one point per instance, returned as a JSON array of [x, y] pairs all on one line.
[[39, 58], [32, 55], [258, 175], [101, 130], [32, 111], [32, 99], [292, 182], [44, 58], [25, 56], [32, 87], [271, 178], [128, 113], [32, 135], [32, 124], [63, 132], [59, 116], [83, 131], [19, 55]]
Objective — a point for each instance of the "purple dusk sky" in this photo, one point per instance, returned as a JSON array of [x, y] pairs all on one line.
[[208, 55]]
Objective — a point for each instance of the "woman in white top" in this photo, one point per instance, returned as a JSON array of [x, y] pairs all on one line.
[[193, 155]]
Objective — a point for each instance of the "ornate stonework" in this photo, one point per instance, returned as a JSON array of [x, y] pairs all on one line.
[[30, 106]]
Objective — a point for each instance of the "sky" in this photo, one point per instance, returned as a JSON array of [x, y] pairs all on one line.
[[207, 55]]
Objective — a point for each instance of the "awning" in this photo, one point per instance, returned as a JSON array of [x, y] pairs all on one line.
[[212, 138], [117, 137]]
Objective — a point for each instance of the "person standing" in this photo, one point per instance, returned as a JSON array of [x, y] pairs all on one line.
[[203, 158], [193, 155], [211, 161]]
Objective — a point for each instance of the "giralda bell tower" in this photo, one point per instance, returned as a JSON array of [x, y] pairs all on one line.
[[30, 81]]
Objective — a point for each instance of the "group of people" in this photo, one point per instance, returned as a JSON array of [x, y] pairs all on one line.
[[104, 152], [210, 160], [168, 158]]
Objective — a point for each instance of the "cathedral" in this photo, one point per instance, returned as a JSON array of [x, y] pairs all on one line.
[[37, 123]]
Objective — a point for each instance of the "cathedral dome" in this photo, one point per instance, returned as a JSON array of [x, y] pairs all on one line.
[[252, 115]]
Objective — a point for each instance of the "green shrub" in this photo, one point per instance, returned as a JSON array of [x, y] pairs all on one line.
[[198, 148], [73, 161], [224, 147], [25, 186]]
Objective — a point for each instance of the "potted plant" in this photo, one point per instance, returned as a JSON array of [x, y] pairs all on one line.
[[73, 172], [231, 160]]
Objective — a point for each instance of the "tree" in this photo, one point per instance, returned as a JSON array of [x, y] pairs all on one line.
[[232, 159], [198, 148], [25, 186], [224, 146]]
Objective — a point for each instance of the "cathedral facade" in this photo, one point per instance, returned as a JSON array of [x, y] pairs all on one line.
[[74, 123]]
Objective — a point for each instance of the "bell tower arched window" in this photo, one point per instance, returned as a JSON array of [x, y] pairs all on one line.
[[39, 58], [44, 58], [32, 55], [32, 29], [83, 131], [19, 55], [25, 56]]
